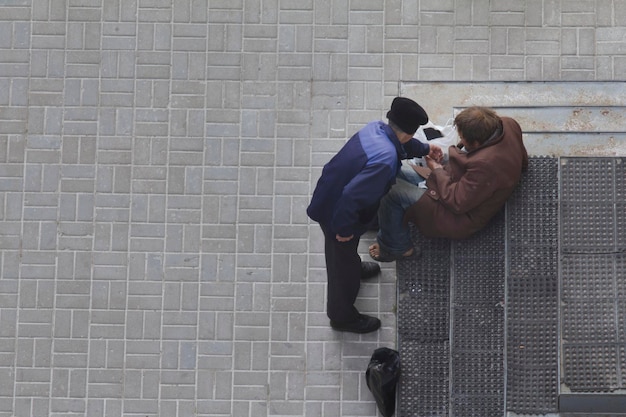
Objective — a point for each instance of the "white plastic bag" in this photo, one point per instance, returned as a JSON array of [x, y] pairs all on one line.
[[450, 138]]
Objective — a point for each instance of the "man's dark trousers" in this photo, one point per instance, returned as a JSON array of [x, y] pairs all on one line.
[[343, 268]]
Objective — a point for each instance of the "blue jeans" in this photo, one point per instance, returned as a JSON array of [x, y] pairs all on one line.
[[393, 236]]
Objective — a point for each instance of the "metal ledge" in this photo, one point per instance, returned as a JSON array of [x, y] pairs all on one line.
[[613, 404]]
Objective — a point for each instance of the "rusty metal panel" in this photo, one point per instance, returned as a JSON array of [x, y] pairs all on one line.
[[558, 118], [580, 144], [567, 119]]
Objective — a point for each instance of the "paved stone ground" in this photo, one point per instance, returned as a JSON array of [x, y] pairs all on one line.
[[156, 160]]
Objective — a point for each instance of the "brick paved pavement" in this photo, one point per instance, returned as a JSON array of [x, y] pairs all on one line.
[[156, 158]]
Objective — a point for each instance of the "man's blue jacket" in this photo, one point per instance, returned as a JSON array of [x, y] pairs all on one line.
[[353, 182]]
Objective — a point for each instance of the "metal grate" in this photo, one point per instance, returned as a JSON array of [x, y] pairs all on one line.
[[554, 265], [478, 323], [593, 293], [532, 290], [423, 330], [423, 389]]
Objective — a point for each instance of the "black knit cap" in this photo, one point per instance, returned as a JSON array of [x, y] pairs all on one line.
[[407, 114]]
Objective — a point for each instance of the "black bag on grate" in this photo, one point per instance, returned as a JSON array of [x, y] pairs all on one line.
[[382, 376]]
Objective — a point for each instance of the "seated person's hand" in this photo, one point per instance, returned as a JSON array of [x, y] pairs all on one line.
[[432, 164], [435, 153]]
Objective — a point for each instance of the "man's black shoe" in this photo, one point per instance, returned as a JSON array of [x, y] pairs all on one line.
[[369, 270], [363, 324]]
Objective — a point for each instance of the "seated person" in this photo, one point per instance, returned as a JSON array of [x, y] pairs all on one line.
[[461, 197]]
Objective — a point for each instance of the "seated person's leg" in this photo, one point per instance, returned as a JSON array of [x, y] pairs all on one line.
[[393, 236], [409, 175]]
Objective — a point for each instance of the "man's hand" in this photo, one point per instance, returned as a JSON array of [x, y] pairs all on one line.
[[432, 164], [343, 239], [435, 153]]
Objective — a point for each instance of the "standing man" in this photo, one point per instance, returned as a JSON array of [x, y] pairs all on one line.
[[346, 199]]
